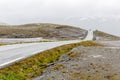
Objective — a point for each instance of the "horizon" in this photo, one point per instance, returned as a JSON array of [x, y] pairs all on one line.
[[69, 12], [86, 28]]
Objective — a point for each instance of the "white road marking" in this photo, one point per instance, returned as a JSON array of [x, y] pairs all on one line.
[[14, 60], [12, 53]]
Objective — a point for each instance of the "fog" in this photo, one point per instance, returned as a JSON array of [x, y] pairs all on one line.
[[70, 12]]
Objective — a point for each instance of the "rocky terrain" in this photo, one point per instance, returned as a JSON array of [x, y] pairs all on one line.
[[44, 30], [86, 63], [50, 31], [99, 35]]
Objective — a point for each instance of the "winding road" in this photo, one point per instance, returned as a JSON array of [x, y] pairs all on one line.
[[16, 52]]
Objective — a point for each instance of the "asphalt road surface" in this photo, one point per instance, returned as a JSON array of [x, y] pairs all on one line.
[[16, 52]]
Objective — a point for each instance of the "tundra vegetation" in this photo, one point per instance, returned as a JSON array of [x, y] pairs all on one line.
[[99, 35], [44, 30]]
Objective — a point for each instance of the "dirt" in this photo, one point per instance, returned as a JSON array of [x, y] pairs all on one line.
[[86, 63]]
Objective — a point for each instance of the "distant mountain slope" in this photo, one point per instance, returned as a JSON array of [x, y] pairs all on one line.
[[109, 24], [45, 30], [99, 35], [1, 23]]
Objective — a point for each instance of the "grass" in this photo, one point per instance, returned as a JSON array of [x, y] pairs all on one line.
[[2, 44], [35, 65], [72, 55], [59, 66]]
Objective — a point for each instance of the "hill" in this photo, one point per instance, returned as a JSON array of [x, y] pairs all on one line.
[[99, 35], [44, 30]]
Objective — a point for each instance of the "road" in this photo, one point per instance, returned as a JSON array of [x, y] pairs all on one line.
[[16, 52], [18, 40]]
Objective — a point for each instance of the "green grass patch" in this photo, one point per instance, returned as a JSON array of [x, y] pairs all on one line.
[[35, 65]]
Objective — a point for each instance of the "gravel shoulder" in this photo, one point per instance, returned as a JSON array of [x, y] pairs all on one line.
[[86, 63]]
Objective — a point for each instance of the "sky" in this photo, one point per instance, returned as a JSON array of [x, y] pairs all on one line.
[[59, 11]]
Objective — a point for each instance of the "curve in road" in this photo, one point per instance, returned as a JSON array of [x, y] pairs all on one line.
[[16, 52]]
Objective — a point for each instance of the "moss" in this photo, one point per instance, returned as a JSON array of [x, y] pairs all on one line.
[[59, 66], [72, 55], [48, 79], [12, 76], [35, 65]]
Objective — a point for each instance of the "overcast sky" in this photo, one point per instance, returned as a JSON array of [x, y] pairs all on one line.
[[55, 11]]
